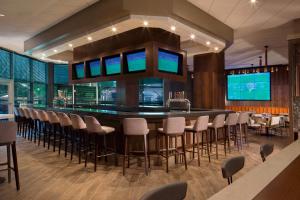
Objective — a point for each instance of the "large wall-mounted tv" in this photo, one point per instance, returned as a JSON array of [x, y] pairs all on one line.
[[94, 67], [249, 87], [79, 70], [112, 65], [135, 61], [169, 61]]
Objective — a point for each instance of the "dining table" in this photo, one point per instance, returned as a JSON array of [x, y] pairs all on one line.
[[5, 117]]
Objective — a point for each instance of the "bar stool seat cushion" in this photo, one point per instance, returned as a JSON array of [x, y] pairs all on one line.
[[210, 125], [107, 129], [189, 128]]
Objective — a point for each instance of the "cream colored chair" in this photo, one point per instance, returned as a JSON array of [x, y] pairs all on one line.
[[65, 126], [215, 127]]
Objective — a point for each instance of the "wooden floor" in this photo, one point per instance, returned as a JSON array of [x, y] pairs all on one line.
[[45, 175]]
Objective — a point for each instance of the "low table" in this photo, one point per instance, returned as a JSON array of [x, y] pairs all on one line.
[[5, 116]]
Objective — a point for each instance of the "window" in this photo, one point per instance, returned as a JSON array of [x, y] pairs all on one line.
[[61, 74], [107, 92], [22, 93], [39, 71], [21, 68], [85, 93], [151, 92], [65, 91], [39, 94], [5, 64]]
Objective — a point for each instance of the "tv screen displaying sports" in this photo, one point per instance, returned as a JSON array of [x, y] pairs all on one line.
[[249, 87], [94, 68], [136, 61], [168, 61], [79, 69], [112, 65]]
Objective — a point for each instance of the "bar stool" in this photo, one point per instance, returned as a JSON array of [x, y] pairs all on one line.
[[215, 127], [43, 125], [17, 119], [53, 128], [242, 122], [27, 122], [78, 129], [95, 129], [22, 119], [34, 118], [230, 124], [135, 127], [199, 128], [266, 150], [65, 125], [173, 127], [8, 139]]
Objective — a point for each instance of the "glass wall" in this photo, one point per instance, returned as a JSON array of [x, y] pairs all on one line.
[[5, 63], [85, 94], [151, 92], [107, 92], [61, 87]]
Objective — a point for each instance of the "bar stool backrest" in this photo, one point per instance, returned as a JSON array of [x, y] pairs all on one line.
[[16, 112], [21, 112], [201, 123], [64, 120], [173, 191], [92, 124], [243, 118], [232, 166], [231, 119], [26, 113], [8, 132], [77, 122], [174, 125], [42, 115], [34, 114], [53, 119], [135, 126], [219, 121]]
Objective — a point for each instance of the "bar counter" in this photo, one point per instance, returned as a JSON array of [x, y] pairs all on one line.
[[154, 117]]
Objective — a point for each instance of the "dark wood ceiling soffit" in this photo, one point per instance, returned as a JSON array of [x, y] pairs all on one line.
[[104, 13]]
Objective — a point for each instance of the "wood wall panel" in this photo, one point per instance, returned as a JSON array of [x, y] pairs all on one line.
[[279, 92]]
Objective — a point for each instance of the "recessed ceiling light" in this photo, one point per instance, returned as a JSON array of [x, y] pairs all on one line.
[[253, 1], [146, 23], [192, 36], [207, 43], [89, 38], [114, 29], [43, 54], [70, 45], [173, 28], [2, 15], [216, 48], [55, 50]]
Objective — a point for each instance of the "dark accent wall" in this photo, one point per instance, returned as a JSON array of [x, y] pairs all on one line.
[[50, 90], [209, 81]]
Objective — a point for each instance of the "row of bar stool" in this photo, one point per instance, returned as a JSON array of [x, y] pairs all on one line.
[[89, 136], [71, 131]]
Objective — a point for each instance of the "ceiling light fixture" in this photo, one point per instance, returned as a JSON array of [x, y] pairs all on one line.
[[216, 48], [192, 36], [55, 50], [70, 45], [173, 28], [114, 29], [2, 15], [146, 23], [89, 38], [43, 54], [253, 2], [207, 43]]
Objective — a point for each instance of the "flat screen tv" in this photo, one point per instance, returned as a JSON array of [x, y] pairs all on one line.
[[94, 67], [249, 87], [79, 70], [169, 61], [112, 65], [135, 61]]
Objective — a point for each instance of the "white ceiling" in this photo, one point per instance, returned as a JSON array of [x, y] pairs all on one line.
[[25, 18], [254, 27]]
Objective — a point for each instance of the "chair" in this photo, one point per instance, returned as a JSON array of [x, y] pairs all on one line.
[[173, 191], [242, 122], [266, 150], [135, 127], [200, 127], [8, 139], [98, 131], [78, 129], [215, 127], [53, 128], [35, 119], [22, 120], [275, 123], [17, 119], [27, 123], [65, 125], [232, 166], [230, 124], [173, 127], [43, 126]]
